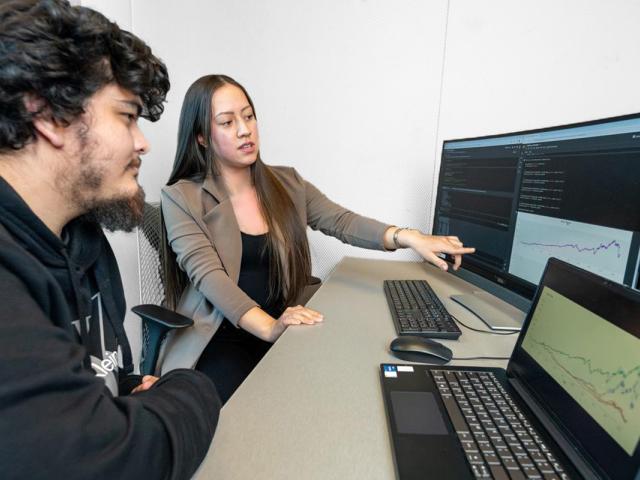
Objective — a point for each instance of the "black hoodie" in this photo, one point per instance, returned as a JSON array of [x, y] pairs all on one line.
[[64, 408]]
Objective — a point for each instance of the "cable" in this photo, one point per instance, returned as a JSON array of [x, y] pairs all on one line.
[[480, 358], [482, 331]]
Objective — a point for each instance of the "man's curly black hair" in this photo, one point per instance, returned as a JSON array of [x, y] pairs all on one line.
[[61, 55]]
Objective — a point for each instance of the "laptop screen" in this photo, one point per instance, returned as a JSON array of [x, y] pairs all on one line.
[[579, 356]]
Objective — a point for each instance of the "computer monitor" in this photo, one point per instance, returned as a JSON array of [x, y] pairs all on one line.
[[571, 192]]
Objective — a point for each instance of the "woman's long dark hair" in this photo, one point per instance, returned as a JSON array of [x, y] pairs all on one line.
[[287, 244]]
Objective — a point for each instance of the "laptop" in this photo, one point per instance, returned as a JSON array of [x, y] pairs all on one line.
[[567, 406]]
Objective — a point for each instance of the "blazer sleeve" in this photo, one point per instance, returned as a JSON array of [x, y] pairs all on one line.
[[197, 256], [341, 223]]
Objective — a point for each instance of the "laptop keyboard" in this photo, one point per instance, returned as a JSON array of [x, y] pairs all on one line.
[[498, 440], [417, 310]]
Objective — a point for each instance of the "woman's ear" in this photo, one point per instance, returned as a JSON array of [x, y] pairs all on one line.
[[45, 124], [201, 140]]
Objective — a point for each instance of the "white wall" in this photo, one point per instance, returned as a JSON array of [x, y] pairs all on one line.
[[358, 94]]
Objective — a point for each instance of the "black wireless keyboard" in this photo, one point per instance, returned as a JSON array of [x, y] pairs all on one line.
[[416, 310]]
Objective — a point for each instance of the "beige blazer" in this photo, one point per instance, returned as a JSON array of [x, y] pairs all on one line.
[[203, 232]]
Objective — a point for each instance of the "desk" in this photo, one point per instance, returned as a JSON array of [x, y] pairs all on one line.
[[312, 408]]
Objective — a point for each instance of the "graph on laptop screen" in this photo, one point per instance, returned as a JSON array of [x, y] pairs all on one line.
[[605, 382], [569, 192]]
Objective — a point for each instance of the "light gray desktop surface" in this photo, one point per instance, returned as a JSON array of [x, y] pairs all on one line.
[[312, 408]]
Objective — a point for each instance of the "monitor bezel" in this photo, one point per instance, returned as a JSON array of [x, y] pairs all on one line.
[[510, 288]]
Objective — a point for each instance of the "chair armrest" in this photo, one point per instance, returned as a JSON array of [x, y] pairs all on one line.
[[156, 322], [309, 290], [162, 316]]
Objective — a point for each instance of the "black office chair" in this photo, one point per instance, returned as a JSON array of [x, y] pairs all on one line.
[[157, 320]]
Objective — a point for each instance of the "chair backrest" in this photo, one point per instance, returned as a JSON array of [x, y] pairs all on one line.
[[151, 273], [151, 277]]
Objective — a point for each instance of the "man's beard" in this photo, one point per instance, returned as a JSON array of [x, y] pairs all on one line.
[[123, 214], [117, 213]]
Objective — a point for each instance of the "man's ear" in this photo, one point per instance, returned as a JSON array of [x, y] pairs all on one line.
[[50, 129], [45, 124]]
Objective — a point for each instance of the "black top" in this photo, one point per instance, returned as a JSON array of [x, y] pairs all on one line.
[[254, 281], [255, 272]]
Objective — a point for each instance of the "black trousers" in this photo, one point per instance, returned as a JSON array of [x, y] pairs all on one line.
[[230, 357]]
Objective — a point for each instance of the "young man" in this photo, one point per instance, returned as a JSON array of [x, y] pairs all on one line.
[[72, 86]]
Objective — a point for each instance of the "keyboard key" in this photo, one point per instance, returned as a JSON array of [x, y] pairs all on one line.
[[498, 442], [505, 430], [504, 452], [550, 476], [491, 458], [454, 414], [549, 456], [470, 447], [517, 475], [474, 458], [484, 446], [545, 467], [498, 472], [510, 463], [480, 471], [476, 428], [531, 472], [536, 456], [524, 461]]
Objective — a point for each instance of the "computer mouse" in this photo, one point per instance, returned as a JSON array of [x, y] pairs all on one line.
[[420, 349]]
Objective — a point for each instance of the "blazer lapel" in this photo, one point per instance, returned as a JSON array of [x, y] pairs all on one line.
[[222, 226]]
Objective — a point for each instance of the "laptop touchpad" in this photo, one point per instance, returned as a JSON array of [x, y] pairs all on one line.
[[417, 412]]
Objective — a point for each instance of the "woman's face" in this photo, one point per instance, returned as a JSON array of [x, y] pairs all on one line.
[[234, 130]]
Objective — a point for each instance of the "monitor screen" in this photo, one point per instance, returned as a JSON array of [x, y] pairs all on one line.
[[579, 357], [570, 192]]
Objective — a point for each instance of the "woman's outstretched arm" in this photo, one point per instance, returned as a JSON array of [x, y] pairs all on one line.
[[427, 246]]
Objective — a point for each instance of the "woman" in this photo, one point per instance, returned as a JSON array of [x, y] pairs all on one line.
[[237, 227]]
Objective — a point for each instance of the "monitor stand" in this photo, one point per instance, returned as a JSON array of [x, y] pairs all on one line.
[[497, 314]]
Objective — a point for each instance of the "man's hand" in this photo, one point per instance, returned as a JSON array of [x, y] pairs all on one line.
[[147, 382]]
